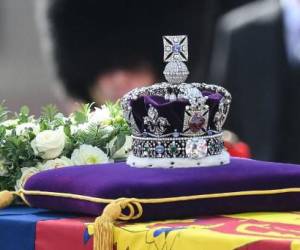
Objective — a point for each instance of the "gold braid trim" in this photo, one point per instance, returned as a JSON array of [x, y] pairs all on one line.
[[102, 228], [161, 200]]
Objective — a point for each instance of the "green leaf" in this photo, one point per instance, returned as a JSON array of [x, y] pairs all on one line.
[[24, 110], [2, 132], [95, 135], [44, 125], [114, 108], [49, 112], [118, 143], [23, 114], [67, 130], [82, 115], [3, 112]]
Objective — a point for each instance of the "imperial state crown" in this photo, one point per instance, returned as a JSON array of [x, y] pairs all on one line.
[[177, 124]]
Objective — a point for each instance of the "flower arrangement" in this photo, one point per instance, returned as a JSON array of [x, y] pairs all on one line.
[[88, 136]]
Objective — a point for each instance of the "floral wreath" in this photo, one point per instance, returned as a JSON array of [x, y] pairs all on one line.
[[30, 144]]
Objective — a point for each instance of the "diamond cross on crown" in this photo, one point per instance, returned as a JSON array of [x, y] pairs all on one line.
[[175, 48], [175, 54]]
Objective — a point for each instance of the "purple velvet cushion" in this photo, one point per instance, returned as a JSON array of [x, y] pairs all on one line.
[[119, 180]]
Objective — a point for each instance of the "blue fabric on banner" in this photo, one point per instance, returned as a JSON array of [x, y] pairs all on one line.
[[18, 224]]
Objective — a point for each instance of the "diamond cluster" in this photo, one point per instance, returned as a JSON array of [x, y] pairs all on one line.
[[180, 147], [176, 72]]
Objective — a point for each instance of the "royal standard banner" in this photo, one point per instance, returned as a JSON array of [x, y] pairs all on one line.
[[35, 229], [249, 231], [23, 228]]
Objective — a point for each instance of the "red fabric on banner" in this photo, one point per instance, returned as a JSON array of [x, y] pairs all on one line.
[[64, 234]]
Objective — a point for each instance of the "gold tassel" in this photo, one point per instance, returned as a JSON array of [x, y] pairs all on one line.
[[104, 225], [6, 198]]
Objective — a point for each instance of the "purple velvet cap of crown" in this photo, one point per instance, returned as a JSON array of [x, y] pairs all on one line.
[[173, 111]]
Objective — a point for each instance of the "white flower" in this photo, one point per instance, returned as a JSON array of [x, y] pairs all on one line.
[[8, 132], [61, 116], [124, 150], [74, 129], [82, 127], [10, 123], [49, 144], [26, 173], [57, 163], [100, 115], [107, 131], [3, 169], [22, 128], [87, 154]]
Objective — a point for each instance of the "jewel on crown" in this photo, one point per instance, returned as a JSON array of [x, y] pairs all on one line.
[[177, 124]]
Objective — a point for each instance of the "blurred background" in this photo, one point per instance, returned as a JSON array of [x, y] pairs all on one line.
[[70, 51], [26, 76], [27, 68]]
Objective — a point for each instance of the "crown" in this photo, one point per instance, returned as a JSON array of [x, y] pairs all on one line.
[[177, 124]]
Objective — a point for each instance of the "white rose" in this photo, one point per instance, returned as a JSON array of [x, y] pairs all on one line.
[[99, 115], [26, 173], [49, 144], [22, 128], [3, 169], [87, 154], [10, 123], [124, 150], [57, 163]]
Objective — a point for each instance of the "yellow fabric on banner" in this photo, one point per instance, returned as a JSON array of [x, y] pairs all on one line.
[[248, 231], [292, 218], [191, 238]]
